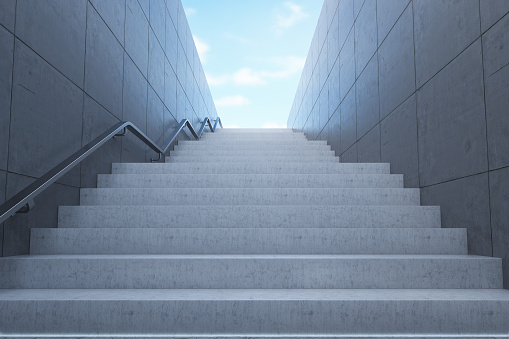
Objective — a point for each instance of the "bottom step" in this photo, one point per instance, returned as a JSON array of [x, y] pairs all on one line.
[[257, 313]]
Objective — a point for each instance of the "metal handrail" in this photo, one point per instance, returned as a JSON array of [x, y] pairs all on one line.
[[23, 201]]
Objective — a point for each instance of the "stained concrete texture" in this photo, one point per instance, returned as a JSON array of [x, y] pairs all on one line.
[[437, 79]]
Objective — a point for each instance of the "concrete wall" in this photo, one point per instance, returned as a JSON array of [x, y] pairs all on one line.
[[424, 85], [71, 69]]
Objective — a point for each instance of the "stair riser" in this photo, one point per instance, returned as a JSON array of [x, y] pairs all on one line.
[[253, 159], [251, 153], [247, 241], [249, 196], [251, 147], [254, 181], [251, 273], [252, 316], [250, 216], [252, 138], [259, 142], [250, 168]]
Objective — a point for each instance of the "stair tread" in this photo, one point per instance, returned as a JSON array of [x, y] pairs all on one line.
[[255, 294], [253, 256]]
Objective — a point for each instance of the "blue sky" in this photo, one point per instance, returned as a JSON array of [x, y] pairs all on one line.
[[253, 53]]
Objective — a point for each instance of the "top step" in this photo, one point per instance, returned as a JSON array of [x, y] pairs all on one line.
[[255, 130]]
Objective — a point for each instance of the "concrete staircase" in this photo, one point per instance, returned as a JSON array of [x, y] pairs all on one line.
[[251, 233]]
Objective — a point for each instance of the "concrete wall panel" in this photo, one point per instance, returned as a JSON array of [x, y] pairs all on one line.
[[397, 68], [447, 26], [350, 155], [7, 14], [96, 119], [156, 65], [451, 120], [158, 20], [365, 36], [104, 64], [367, 101], [171, 39], [345, 20], [496, 77], [47, 107], [368, 147], [6, 51], [170, 89], [464, 203], [17, 229], [333, 42], [499, 198], [492, 11], [399, 142], [79, 68], [113, 14], [348, 121], [55, 29], [440, 69], [145, 7], [136, 35], [387, 13], [334, 100], [346, 66]]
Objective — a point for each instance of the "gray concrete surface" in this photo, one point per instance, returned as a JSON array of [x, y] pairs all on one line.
[[71, 69], [293, 271], [249, 196], [316, 240], [259, 311], [422, 85], [213, 245], [249, 180], [240, 216], [254, 168]]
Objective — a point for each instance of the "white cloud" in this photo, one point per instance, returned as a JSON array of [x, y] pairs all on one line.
[[289, 66], [232, 101], [189, 11], [246, 76], [294, 15], [202, 49], [285, 67], [273, 125]]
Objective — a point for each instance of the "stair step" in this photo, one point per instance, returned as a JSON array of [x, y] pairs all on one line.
[[252, 137], [249, 180], [250, 159], [251, 271], [249, 196], [349, 312], [250, 216], [252, 153], [248, 241], [250, 168], [296, 142], [251, 147], [254, 130]]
